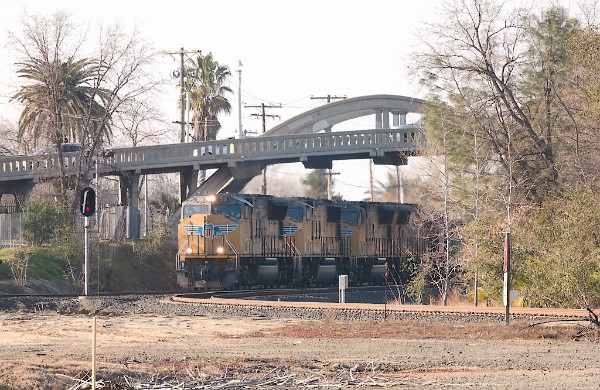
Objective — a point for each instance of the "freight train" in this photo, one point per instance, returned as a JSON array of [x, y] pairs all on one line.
[[229, 241]]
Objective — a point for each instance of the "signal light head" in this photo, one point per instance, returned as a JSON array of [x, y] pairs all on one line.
[[87, 201]]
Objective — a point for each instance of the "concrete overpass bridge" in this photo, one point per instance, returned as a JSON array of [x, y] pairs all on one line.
[[306, 138]]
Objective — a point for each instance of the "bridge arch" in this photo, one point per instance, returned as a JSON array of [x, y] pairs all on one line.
[[323, 118]]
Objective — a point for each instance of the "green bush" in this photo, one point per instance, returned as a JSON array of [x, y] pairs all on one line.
[[45, 221]]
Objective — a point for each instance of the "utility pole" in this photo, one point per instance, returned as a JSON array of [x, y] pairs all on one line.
[[329, 173], [328, 98], [399, 185], [264, 116], [330, 182], [239, 70], [181, 73], [372, 195]]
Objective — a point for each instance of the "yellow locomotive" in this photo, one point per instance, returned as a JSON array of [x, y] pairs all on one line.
[[243, 240]]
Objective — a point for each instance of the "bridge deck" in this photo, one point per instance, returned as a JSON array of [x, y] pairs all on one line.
[[220, 153]]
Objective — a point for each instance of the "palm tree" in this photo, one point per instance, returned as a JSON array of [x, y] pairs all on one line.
[[388, 190], [61, 104], [207, 96], [59, 101]]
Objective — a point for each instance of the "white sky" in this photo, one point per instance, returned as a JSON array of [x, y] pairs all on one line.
[[289, 50]]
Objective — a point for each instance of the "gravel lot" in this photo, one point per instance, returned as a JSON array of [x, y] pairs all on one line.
[[46, 344]]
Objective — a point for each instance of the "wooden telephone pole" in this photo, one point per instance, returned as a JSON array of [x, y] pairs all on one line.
[[182, 74], [329, 173], [264, 117]]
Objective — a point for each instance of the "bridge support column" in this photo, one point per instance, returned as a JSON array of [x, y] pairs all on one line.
[[386, 119], [382, 119], [399, 118], [188, 182], [20, 190], [129, 194]]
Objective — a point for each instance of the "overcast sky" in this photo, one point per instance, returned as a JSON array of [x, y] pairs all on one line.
[[290, 50]]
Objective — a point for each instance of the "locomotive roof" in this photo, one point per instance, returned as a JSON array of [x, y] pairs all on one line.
[[252, 199]]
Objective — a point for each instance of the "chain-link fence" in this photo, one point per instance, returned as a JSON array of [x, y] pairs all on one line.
[[110, 223], [11, 229]]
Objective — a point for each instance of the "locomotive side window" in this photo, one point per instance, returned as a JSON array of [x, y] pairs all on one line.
[[277, 212], [333, 214], [191, 209], [385, 215], [403, 217]]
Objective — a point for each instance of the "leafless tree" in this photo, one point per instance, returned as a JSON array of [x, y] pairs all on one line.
[[122, 65]]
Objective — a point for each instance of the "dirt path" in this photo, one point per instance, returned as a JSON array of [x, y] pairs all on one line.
[[38, 349]]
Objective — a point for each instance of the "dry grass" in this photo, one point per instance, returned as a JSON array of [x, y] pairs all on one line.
[[415, 330]]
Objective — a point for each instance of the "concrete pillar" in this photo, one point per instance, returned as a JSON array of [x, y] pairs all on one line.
[[188, 182], [402, 119], [395, 119], [129, 193], [133, 211], [386, 119], [378, 117], [21, 191], [123, 186]]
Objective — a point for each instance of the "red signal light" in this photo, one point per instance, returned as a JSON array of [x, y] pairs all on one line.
[[87, 201]]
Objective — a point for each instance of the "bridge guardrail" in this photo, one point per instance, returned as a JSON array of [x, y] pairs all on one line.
[[406, 139]]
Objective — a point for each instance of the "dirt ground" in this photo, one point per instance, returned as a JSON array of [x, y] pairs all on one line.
[[47, 350]]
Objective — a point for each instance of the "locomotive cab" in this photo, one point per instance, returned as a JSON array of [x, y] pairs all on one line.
[[208, 255]]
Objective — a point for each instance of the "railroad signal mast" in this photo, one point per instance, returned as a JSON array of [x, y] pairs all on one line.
[[87, 207]]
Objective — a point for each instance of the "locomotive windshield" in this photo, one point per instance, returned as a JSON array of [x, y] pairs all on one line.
[[350, 216], [191, 209], [229, 210], [295, 214]]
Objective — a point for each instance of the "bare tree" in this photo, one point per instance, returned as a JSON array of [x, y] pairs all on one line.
[[502, 55], [115, 74], [10, 142], [19, 263]]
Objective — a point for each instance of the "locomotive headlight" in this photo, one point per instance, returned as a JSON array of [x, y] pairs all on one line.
[[210, 198], [188, 250], [220, 250]]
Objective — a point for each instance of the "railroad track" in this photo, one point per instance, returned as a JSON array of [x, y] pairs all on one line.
[[251, 301], [292, 303]]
